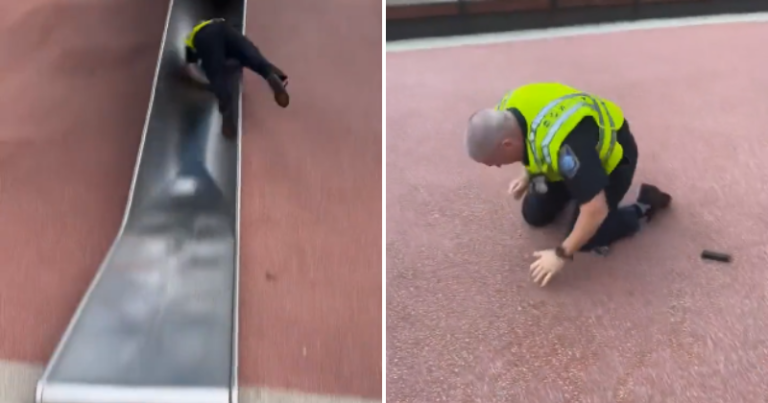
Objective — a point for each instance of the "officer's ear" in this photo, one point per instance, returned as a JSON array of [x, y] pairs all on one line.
[[507, 143]]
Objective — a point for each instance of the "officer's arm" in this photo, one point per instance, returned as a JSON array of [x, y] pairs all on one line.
[[586, 180]]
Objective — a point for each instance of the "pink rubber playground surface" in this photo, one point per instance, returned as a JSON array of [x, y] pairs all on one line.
[[651, 322], [75, 80]]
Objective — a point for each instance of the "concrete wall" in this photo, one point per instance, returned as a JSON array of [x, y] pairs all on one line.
[[408, 19]]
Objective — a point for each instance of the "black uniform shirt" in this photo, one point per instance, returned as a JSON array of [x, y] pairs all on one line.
[[190, 55], [579, 161]]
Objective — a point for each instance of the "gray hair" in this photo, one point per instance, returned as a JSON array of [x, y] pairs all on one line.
[[486, 129]]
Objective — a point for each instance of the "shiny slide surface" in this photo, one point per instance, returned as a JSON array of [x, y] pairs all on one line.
[[159, 321]]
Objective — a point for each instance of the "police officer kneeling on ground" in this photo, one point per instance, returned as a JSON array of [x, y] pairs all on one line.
[[211, 44], [574, 146]]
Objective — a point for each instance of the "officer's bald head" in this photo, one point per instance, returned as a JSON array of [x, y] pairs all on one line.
[[494, 137]]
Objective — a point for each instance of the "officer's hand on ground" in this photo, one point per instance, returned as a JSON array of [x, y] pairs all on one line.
[[518, 187], [546, 266]]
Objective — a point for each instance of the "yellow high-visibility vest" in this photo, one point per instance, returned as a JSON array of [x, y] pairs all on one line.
[[552, 111], [190, 40]]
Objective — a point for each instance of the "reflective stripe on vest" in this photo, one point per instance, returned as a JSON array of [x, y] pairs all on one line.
[[190, 41], [588, 102]]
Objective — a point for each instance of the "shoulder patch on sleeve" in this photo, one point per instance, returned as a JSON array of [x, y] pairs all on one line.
[[567, 162]]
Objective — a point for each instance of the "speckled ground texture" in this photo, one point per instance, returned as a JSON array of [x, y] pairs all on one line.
[[650, 323], [75, 79]]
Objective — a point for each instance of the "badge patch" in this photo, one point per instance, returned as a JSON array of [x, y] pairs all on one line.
[[568, 162]]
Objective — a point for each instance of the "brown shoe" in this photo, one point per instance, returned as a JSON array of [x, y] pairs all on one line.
[[654, 198], [282, 76], [278, 88]]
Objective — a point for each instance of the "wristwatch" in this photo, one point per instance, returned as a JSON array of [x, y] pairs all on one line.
[[560, 252]]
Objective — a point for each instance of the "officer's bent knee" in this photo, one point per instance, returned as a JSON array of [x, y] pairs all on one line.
[[535, 216]]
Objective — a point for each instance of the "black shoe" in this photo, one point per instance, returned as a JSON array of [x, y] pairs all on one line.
[[228, 127], [602, 250], [654, 198], [277, 82]]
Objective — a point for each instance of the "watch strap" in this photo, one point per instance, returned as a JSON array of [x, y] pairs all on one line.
[[560, 252]]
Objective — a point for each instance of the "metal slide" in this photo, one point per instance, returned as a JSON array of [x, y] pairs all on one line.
[[158, 324]]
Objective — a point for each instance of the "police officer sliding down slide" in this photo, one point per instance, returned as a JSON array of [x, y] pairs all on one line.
[[212, 43], [574, 146]]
